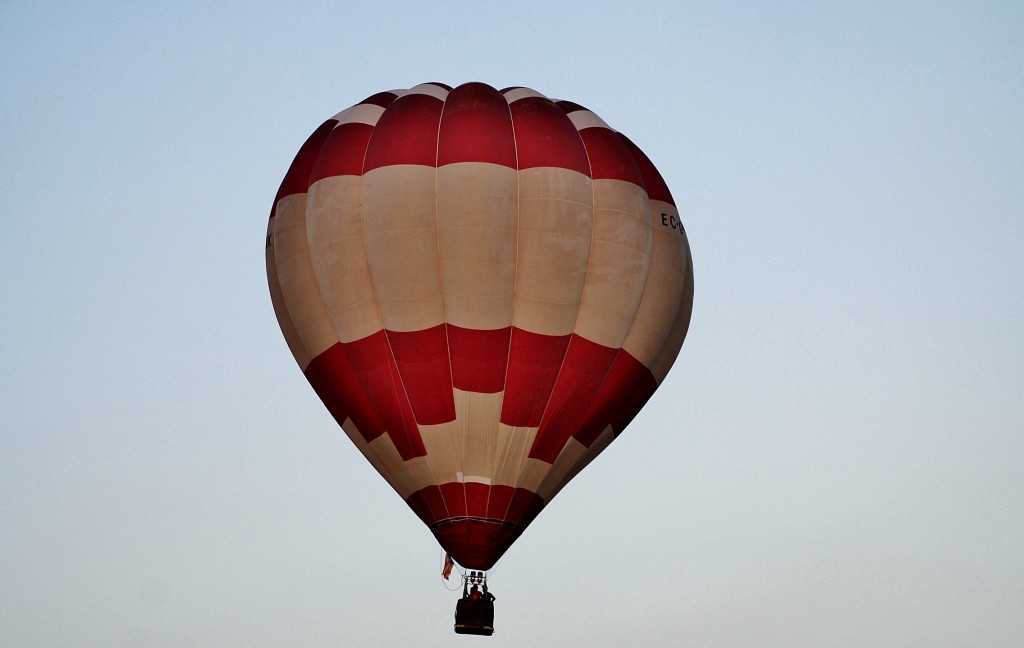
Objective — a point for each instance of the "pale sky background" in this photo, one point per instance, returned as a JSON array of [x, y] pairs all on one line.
[[837, 459]]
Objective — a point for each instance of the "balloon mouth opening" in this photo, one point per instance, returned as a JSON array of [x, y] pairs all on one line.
[[475, 543]]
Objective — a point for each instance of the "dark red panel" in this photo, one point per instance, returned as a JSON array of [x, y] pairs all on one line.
[[656, 187], [433, 501], [422, 358], [377, 372], [533, 509], [477, 495], [498, 502], [478, 543], [454, 496], [609, 157], [419, 506], [342, 152], [569, 106], [625, 390], [296, 180], [479, 358], [642, 390], [532, 369], [382, 99], [524, 507], [545, 137], [406, 133], [476, 127], [333, 378], [585, 367]]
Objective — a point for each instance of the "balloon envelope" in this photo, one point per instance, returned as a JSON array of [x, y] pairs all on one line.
[[484, 287]]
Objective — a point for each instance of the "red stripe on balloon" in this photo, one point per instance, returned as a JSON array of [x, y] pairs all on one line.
[[296, 180], [476, 544], [476, 127], [422, 359], [564, 385], [497, 503], [382, 99], [498, 500], [655, 184], [420, 508], [476, 499], [335, 381], [637, 389], [479, 358], [454, 496], [406, 133], [623, 393], [545, 137], [569, 106], [524, 507], [583, 371], [435, 500], [609, 157], [377, 371], [342, 152], [533, 365], [430, 501]]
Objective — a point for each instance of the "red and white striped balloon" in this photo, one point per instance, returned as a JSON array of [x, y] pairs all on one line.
[[484, 287]]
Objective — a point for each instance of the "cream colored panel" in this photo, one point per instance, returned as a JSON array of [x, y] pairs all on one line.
[[562, 467], [532, 474], [463, 449], [544, 317], [360, 114], [665, 286], [556, 184], [429, 89], [422, 472], [512, 449], [614, 286], [357, 321], [663, 216], [522, 93], [585, 119], [284, 318], [399, 196], [404, 477], [680, 326], [339, 257], [619, 262], [625, 214], [555, 228], [599, 444], [478, 311], [400, 233], [477, 418], [444, 450], [477, 210], [552, 266], [335, 196], [298, 284]]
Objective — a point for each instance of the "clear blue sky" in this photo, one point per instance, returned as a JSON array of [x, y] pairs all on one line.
[[836, 459]]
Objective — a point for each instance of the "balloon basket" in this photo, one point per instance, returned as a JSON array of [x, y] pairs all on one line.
[[474, 612]]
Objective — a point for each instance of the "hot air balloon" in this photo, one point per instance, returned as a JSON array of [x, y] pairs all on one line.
[[484, 288]]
